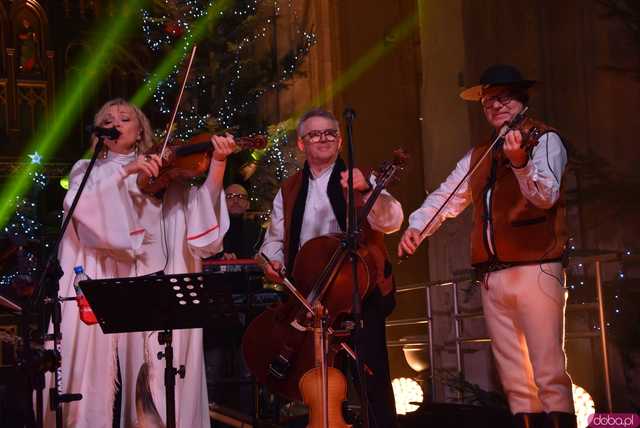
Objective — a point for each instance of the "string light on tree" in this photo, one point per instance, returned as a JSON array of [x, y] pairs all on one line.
[[290, 64], [277, 161], [23, 234], [235, 67]]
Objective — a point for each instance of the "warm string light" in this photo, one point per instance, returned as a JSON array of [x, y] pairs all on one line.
[[292, 63], [276, 157], [228, 110], [182, 17], [227, 68], [277, 162], [621, 282], [159, 37], [23, 229], [582, 288]]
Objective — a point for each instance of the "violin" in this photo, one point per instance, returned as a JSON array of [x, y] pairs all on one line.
[[530, 134], [325, 405], [527, 127], [277, 345], [185, 160], [182, 161]]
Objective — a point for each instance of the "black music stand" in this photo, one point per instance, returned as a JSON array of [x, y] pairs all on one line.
[[161, 303]]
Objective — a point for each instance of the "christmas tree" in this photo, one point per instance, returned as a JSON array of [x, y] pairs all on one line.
[[22, 241], [236, 65]]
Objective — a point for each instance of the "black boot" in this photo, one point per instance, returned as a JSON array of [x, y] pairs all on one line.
[[529, 420], [561, 420]]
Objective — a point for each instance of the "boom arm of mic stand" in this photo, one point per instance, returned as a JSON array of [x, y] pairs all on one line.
[[65, 223]]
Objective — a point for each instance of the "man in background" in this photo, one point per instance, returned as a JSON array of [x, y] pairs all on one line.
[[241, 240]]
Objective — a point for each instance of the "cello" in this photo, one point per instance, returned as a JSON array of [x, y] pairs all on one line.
[[278, 345]]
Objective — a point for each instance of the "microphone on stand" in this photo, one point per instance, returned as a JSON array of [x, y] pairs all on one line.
[[349, 114], [98, 131]]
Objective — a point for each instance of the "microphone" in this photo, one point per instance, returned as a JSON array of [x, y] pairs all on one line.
[[98, 131], [349, 114]]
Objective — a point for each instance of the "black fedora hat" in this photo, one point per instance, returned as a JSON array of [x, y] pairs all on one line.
[[496, 75]]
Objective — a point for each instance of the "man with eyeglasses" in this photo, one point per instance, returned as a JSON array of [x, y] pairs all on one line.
[[241, 240], [518, 239], [312, 203], [222, 352]]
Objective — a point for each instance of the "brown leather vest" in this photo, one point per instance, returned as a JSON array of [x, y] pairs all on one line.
[[518, 230], [381, 275]]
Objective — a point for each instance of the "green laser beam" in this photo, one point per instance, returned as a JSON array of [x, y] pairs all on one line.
[[72, 100], [176, 55], [164, 69], [364, 63]]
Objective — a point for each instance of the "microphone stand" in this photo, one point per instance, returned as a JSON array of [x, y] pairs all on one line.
[[47, 292], [351, 243]]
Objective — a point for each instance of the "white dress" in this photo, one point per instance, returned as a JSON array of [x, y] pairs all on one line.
[[118, 232]]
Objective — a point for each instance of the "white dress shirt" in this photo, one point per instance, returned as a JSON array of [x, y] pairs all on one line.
[[539, 182], [386, 216]]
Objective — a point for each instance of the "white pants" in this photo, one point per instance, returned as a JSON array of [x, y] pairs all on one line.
[[524, 311]]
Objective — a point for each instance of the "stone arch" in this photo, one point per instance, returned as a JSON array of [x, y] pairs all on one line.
[[30, 34]]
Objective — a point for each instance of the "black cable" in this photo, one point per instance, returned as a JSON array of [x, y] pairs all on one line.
[[555, 237], [164, 237], [546, 142]]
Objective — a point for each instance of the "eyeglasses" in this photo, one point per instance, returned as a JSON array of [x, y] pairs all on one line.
[[503, 100], [240, 196], [330, 135]]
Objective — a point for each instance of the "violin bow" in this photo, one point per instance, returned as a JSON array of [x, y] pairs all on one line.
[[505, 128], [262, 257], [177, 104]]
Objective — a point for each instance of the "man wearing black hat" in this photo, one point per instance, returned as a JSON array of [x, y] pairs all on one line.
[[517, 241]]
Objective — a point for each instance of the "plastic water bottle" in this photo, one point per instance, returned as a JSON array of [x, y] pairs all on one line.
[[86, 313]]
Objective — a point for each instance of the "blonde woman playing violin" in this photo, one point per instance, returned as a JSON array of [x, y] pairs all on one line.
[[117, 231]]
